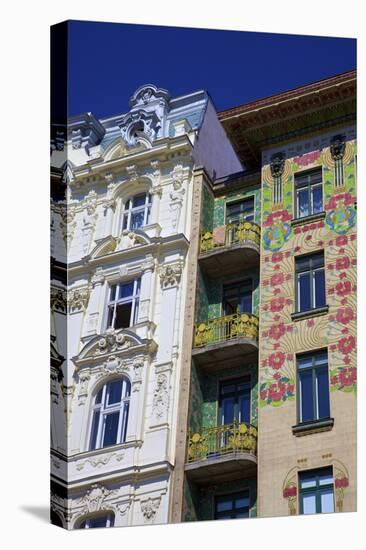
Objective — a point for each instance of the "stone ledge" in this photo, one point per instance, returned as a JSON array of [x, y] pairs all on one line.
[[308, 219], [316, 312], [316, 426]]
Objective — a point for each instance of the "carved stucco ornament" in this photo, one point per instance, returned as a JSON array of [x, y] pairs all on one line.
[[149, 508], [170, 274], [70, 301], [111, 341]]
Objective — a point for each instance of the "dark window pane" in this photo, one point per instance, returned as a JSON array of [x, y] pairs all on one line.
[[113, 293], [94, 430], [246, 303], [305, 361], [114, 392], [307, 480], [323, 392], [111, 429], [303, 203], [228, 388], [223, 504], [243, 210], [125, 410], [317, 260], [242, 501], [244, 407], [321, 358], [227, 407], [325, 476], [244, 514], [125, 290], [98, 398], [317, 193], [137, 220], [302, 264], [306, 392], [55, 519], [139, 200], [319, 288], [97, 522], [110, 316], [123, 315], [304, 290]]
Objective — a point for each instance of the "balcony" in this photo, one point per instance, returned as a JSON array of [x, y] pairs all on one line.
[[230, 248], [222, 453], [231, 340]]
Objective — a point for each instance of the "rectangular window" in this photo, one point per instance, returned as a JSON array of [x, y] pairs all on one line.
[[309, 193], [316, 491], [234, 402], [123, 304], [232, 506], [310, 282], [237, 298], [240, 210], [313, 386]]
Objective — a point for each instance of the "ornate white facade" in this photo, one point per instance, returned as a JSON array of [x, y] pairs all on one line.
[[99, 240]]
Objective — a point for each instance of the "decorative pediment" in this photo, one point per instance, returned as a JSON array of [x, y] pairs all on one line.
[[116, 342], [116, 149], [128, 239], [105, 246]]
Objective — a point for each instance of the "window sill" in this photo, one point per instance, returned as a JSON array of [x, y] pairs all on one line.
[[316, 426], [308, 219], [316, 312]]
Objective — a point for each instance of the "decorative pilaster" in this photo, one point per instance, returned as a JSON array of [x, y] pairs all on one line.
[[97, 282], [170, 276], [337, 150], [277, 167], [146, 288]]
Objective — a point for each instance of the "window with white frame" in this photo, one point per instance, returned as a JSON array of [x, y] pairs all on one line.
[[137, 211], [309, 193], [106, 520], [110, 414], [123, 304]]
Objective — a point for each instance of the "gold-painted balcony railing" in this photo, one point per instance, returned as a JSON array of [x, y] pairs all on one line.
[[219, 441], [226, 328], [241, 232]]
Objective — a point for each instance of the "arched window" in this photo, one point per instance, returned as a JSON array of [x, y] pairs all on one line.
[[110, 414], [137, 211], [106, 520]]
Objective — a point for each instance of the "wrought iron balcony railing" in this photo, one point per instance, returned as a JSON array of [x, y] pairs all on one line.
[[218, 441], [241, 232], [226, 328]]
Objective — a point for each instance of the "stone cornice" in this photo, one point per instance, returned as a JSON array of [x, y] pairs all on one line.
[[164, 244], [162, 149], [133, 473]]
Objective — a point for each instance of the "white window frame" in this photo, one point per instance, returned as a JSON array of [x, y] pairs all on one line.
[[235, 201], [134, 299], [109, 521], [105, 410], [130, 210]]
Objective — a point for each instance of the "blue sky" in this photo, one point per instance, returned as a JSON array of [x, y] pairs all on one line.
[[109, 61]]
